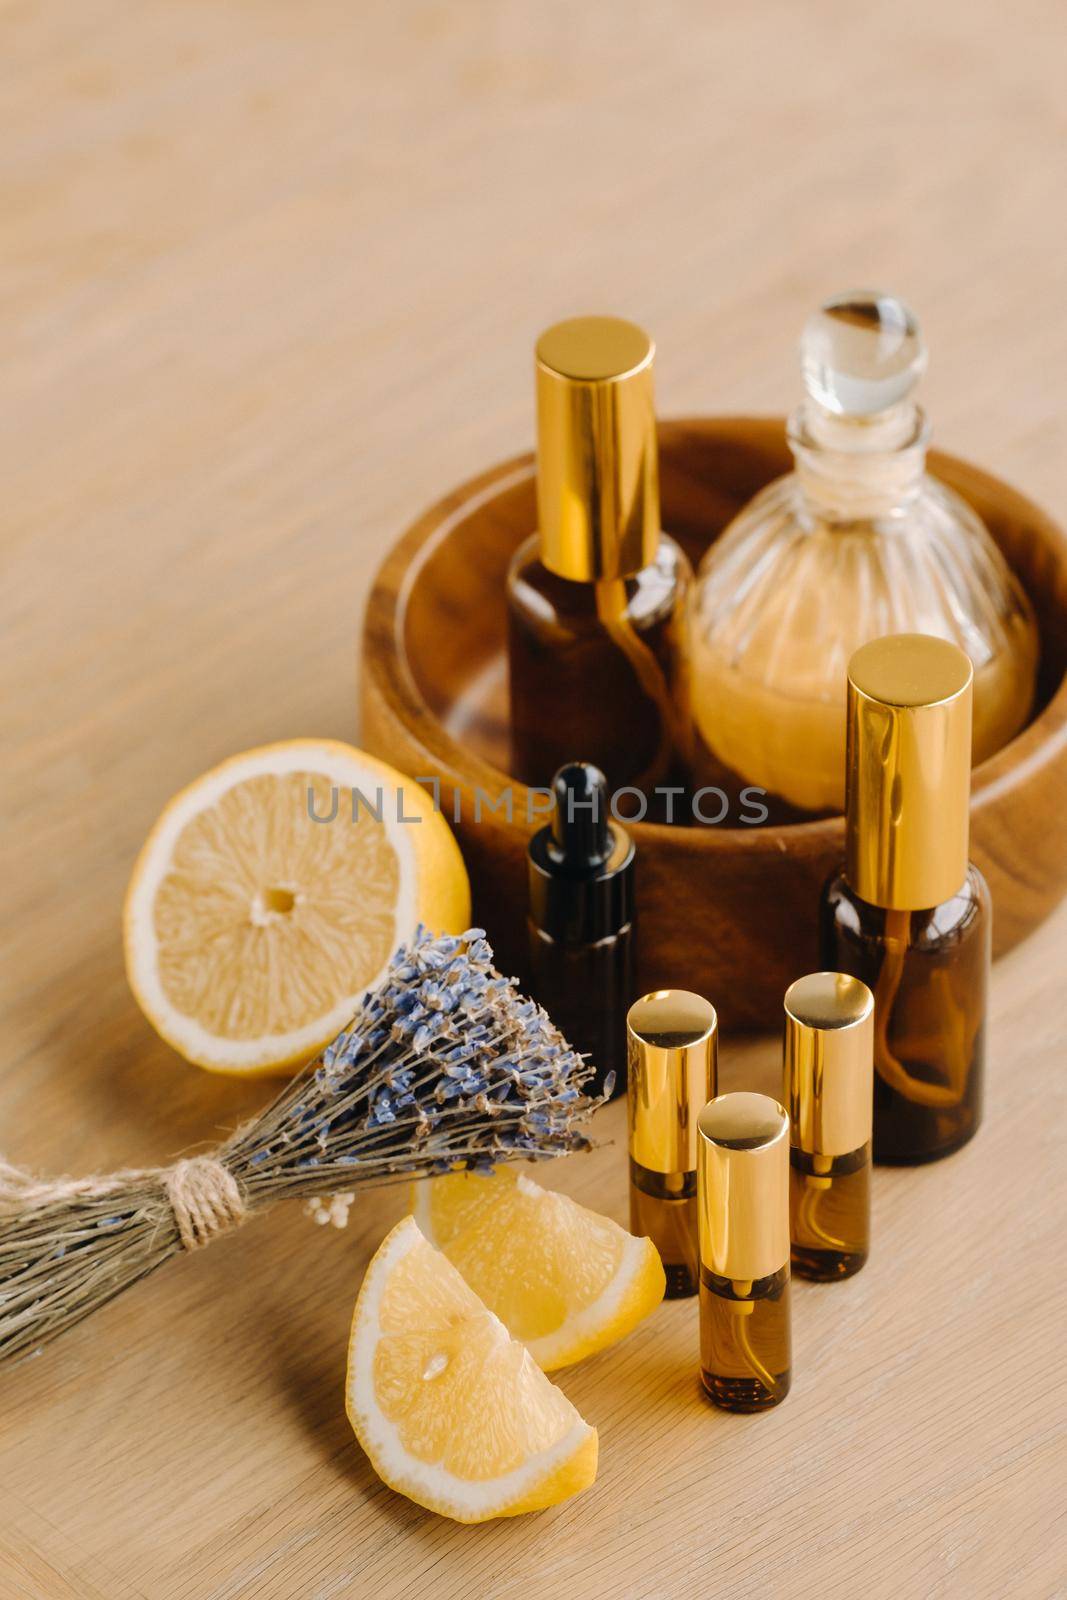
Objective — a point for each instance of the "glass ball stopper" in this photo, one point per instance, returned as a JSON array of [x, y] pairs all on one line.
[[861, 353]]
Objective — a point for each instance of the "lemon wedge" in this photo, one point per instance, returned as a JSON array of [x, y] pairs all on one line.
[[562, 1278], [453, 1412], [267, 900]]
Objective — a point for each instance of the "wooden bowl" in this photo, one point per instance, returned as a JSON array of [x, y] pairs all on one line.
[[730, 912]]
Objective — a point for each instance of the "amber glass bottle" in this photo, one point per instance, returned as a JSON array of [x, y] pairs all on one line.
[[908, 913], [745, 1340], [743, 1208], [580, 870], [929, 970], [597, 626], [829, 1033], [673, 1049]]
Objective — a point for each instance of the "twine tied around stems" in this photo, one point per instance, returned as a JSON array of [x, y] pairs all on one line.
[[20, 1190], [205, 1199], [201, 1192], [443, 1065]]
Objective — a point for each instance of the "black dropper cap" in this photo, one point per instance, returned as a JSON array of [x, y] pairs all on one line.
[[580, 866]]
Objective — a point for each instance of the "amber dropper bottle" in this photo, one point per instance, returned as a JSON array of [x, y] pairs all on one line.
[[743, 1206], [673, 1050], [829, 1037], [909, 914], [597, 620], [580, 870]]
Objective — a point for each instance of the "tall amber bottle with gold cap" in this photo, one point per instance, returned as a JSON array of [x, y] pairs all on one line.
[[597, 642], [672, 1043], [909, 913], [743, 1209]]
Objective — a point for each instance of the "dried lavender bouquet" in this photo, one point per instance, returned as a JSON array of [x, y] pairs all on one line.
[[444, 1064]]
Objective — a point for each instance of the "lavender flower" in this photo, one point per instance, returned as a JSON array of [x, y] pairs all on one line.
[[444, 1065]]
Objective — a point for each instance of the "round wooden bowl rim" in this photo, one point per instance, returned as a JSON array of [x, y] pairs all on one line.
[[388, 671]]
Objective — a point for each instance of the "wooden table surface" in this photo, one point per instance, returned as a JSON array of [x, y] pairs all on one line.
[[270, 279]]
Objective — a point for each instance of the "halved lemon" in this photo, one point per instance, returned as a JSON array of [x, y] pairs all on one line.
[[451, 1410], [271, 894], [562, 1278]]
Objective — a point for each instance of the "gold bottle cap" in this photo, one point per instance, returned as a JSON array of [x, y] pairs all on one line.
[[672, 1048], [829, 1063], [743, 1187], [597, 473], [908, 771]]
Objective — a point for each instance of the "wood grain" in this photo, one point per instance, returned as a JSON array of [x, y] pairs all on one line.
[[270, 282], [434, 697]]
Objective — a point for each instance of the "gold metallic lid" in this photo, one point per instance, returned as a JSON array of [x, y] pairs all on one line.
[[829, 1063], [597, 474], [672, 1048], [743, 1187], [908, 771]]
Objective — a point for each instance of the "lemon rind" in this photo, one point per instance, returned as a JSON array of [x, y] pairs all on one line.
[[544, 1479], [278, 1052], [633, 1293]]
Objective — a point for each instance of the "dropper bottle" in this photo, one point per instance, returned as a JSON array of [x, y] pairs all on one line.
[[580, 927]]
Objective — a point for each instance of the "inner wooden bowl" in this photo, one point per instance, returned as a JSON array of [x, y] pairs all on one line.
[[730, 912]]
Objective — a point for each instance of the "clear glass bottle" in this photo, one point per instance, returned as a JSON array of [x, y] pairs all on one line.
[[857, 542], [673, 1068], [827, 1070], [743, 1208], [908, 913], [597, 598]]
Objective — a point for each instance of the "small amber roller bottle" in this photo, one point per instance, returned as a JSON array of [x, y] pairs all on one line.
[[829, 1037], [909, 914], [672, 1039], [743, 1206]]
